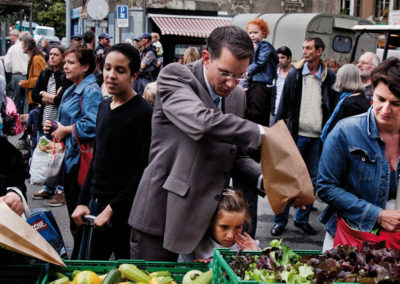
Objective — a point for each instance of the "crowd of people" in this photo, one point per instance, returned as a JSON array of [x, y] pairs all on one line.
[[175, 169]]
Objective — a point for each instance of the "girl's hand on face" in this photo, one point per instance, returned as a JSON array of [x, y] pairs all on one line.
[[245, 242]]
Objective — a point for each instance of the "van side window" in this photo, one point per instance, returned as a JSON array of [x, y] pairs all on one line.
[[342, 44]]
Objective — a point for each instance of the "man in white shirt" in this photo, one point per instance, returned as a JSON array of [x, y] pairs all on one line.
[[16, 63]]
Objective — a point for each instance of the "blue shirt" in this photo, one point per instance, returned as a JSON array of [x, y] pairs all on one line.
[[84, 117]]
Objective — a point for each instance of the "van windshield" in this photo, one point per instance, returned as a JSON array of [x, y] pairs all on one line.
[[43, 32]]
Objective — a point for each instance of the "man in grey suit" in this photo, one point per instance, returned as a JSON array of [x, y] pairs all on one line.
[[199, 140]]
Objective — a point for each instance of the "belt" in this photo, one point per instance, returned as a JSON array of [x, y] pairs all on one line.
[[17, 73]]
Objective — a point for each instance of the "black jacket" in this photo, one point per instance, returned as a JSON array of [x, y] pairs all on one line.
[[291, 96], [41, 85]]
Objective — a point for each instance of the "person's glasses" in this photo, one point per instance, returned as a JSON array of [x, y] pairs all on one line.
[[228, 75]]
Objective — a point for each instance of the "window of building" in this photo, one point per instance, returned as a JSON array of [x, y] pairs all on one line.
[[345, 7], [342, 44], [357, 8], [396, 5], [382, 10]]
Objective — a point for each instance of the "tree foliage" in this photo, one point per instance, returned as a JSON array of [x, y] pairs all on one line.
[[50, 13]]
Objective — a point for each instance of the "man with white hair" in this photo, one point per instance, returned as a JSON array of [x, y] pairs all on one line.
[[16, 63], [365, 64]]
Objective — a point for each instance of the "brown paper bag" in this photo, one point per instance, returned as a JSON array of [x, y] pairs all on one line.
[[285, 174], [19, 236]]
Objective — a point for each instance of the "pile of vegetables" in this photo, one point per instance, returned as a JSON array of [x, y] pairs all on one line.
[[278, 263], [129, 274], [372, 264], [275, 264]]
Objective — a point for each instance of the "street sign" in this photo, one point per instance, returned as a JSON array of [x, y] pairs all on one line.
[[122, 16]]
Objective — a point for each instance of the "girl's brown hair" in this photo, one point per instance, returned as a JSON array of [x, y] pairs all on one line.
[[263, 25], [233, 200]]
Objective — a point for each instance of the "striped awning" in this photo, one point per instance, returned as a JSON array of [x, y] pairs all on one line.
[[188, 25]]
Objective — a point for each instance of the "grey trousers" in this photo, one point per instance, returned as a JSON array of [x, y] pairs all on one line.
[[18, 94], [149, 248]]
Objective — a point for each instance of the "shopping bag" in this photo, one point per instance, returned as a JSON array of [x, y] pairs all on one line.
[[285, 175], [86, 151], [43, 221], [17, 235], [46, 161], [346, 235]]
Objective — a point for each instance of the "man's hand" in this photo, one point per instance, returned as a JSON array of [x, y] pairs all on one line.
[[78, 213], [103, 217], [13, 200]]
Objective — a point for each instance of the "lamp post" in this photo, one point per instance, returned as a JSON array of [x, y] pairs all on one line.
[[68, 21]]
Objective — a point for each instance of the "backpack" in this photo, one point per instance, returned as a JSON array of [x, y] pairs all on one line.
[[11, 121]]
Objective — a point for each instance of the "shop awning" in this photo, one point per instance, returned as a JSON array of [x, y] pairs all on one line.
[[192, 26]]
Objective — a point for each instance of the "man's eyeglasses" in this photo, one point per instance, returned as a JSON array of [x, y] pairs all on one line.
[[228, 75]]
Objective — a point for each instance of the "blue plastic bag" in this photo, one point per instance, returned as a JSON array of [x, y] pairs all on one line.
[[43, 221]]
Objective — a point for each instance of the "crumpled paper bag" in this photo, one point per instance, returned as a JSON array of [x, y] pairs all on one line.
[[285, 175], [19, 236]]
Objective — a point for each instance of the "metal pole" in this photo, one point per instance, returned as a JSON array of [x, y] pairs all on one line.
[[144, 28], [68, 22], [30, 17]]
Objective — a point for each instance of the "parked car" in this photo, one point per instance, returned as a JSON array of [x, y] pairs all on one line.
[[41, 31]]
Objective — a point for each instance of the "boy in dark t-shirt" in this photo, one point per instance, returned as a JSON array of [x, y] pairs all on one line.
[[123, 131]]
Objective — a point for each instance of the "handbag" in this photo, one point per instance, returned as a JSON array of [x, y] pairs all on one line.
[[86, 151]]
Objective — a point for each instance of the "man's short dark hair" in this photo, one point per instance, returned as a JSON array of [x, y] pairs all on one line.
[[88, 37], [284, 50], [129, 52], [235, 39], [317, 42]]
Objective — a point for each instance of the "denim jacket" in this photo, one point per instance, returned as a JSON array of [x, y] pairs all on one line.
[[264, 63], [69, 113], [354, 174]]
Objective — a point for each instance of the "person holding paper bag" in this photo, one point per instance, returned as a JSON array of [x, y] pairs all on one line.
[[359, 167], [198, 142]]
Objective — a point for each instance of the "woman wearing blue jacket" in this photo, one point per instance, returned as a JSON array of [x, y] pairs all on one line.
[[261, 73], [78, 108]]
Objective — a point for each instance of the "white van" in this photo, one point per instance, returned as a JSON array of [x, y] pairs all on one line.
[[42, 31]]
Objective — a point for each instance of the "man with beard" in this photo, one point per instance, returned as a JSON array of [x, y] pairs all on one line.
[[365, 64]]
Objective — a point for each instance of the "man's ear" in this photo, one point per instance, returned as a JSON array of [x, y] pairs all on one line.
[[319, 51], [206, 57]]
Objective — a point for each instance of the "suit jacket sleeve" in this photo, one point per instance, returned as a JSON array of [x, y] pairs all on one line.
[[179, 95]]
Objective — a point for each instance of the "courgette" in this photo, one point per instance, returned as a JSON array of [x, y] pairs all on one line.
[[131, 272], [113, 276]]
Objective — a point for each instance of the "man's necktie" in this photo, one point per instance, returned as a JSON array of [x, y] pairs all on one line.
[[216, 101]]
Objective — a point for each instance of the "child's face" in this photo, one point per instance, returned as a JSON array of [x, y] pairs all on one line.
[[255, 33], [227, 225]]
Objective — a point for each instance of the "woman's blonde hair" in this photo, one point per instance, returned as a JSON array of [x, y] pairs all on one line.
[[191, 54]]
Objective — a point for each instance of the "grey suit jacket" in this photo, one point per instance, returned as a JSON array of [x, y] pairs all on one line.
[[195, 148]]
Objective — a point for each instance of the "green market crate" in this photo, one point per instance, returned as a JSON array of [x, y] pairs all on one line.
[[223, 273], [177, 269], [22, 274]]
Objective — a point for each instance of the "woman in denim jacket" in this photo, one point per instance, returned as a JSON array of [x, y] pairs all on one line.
[[359, 167], [78, 107]]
